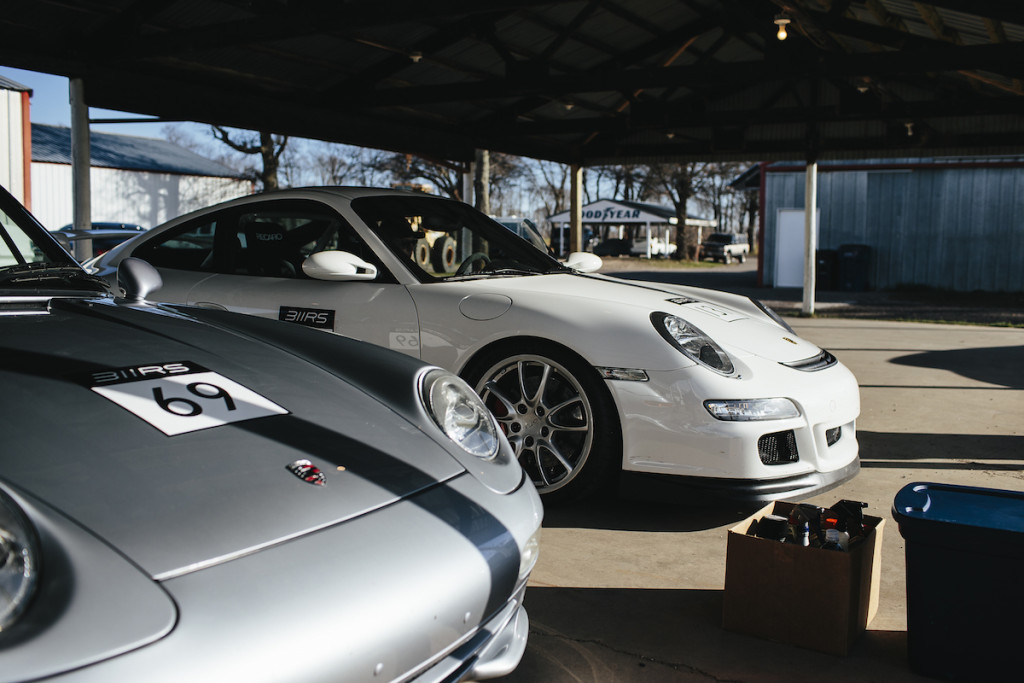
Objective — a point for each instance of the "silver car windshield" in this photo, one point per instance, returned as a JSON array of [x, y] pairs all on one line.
[[31, 260], [441, 239]]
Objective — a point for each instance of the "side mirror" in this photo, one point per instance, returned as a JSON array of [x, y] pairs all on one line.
[[584, 262], [338, 266], [138, 279]]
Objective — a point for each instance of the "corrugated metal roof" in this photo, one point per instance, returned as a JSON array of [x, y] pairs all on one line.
[[614, 81], [8, 84], [52, 144]]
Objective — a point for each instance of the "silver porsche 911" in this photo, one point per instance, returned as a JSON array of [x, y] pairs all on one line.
[[189, 494]]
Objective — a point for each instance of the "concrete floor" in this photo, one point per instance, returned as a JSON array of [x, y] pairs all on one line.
[[632, 591]]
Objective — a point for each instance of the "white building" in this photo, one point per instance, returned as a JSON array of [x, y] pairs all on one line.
[[648, 226], [143, 181], [15, 152], [137, 180]]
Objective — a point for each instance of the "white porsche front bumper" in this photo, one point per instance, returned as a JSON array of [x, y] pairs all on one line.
[[666, 429]]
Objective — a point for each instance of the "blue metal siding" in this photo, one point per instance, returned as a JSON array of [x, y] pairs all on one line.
[[947, 228]]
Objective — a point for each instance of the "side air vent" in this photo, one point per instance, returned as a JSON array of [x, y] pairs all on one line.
[[24, 305], [814, 363]]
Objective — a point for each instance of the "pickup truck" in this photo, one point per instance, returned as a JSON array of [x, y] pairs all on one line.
[[725, 246]]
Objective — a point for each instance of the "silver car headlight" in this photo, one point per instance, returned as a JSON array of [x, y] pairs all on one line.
[[689, 339], [460, 414], [19, 561]]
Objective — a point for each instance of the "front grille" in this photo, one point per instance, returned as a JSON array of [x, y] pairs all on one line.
[[778, 448], [833, 435]]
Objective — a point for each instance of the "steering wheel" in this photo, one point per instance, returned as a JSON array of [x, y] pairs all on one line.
[[467, 266]]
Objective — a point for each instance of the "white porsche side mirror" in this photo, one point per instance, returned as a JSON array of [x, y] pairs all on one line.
[[338, 265], [584, 262]]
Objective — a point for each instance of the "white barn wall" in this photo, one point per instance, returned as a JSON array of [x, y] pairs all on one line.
[[12, 147], [140, 197]]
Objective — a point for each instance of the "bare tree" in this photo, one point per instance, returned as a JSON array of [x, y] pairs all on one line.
[[267, 145]]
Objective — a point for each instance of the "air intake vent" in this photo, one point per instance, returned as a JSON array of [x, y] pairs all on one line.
[[24, 305], [814, 363], [833, 435], [778, 448]]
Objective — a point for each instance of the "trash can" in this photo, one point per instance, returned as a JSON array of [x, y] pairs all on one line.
[[854, 263], [826, 270], [965, 580]]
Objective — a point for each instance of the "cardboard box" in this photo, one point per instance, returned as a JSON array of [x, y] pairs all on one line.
[[818, 599]]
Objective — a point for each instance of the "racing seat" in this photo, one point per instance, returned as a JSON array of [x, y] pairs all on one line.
[[266, 250]]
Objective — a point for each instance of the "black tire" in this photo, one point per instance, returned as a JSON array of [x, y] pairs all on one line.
[[557, 414], [742, 258], [444, 257], [422, 253]]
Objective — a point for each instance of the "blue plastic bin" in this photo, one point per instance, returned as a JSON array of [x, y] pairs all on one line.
[[965, 580]]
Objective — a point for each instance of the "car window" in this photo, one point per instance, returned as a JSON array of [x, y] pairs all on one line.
[[439, 238], [273, 239], [16, 247], [187, 247]]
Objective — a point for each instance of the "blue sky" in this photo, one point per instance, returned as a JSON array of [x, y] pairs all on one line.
[[50, 104]]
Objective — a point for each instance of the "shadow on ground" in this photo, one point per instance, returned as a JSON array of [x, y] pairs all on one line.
[[586, 635], [1000, 366], [941, 451]]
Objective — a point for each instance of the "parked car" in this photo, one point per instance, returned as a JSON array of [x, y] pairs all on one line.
[[725, 247], [104, 236], [587, 375], [659, 246], [613, 247], [193, 494]]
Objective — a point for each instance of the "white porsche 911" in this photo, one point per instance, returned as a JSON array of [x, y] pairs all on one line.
[[589, 376]]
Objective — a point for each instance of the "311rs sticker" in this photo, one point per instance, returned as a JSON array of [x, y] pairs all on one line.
[[180, 397]]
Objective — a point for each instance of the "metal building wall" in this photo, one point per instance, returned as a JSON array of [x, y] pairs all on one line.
[[941, 226], [139, 197], [12, 143]]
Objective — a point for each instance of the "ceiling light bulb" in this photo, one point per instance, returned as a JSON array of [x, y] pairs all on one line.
[[782, 21]]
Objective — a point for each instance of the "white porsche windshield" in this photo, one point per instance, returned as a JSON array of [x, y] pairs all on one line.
[[442, 239]]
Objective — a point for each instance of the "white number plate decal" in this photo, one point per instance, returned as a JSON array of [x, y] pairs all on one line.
[[181, 397]]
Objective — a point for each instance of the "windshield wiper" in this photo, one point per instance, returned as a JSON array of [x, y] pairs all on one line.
[[42, 271]]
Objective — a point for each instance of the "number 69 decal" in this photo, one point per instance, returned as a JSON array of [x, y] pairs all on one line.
[[188, 402]]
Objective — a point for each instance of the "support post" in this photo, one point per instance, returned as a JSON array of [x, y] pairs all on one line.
[[810, 236], [576, 209], [80, 166]]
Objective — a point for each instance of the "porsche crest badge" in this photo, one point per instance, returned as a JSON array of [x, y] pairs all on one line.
[[307, 472]]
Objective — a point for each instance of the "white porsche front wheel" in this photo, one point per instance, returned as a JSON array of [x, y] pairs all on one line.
[[557, 415]]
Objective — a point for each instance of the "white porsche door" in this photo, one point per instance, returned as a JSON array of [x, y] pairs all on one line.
[[379, 313], [248, 258]]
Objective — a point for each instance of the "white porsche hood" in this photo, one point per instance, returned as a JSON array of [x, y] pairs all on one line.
[[731, 320]]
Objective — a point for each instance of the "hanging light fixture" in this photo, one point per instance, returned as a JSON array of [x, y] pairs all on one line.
[[782, 21]]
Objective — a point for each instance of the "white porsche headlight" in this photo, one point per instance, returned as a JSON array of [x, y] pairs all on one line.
[[752, 410], [19, 561], [460, 413], [689, 339]]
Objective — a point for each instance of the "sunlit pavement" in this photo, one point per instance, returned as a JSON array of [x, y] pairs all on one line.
[[632, 591]]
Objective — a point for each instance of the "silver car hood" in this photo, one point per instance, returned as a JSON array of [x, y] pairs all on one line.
[[173, 504]]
